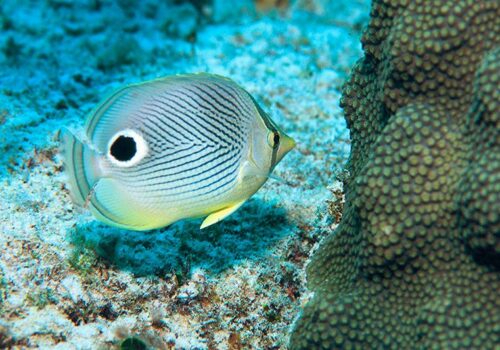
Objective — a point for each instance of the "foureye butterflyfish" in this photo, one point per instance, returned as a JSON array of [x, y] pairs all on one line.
[[179, 147]]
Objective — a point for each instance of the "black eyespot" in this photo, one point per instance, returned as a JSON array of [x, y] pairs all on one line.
[[276, 139], [124, 148]]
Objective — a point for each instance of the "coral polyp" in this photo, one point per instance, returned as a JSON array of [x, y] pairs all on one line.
[[415, 260]]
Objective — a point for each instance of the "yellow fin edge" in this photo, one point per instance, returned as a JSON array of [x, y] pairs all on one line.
[[220, 215]]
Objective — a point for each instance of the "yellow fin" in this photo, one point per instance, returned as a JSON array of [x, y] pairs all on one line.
[[220, 215]]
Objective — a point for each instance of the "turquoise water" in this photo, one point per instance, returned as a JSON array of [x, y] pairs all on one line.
[[70, 282]]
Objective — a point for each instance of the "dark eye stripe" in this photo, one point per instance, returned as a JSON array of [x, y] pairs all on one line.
[[276, 140]]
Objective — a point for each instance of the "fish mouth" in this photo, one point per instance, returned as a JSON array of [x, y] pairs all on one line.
[[288, 143]]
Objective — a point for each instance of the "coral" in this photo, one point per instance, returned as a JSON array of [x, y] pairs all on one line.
[[267, 5], [415, 261], [121, 51], [186, 28], [133, 343]]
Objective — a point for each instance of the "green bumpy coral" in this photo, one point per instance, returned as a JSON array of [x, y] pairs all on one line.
[[415, 262]]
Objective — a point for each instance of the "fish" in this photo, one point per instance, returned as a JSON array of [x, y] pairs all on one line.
[[173, 148]]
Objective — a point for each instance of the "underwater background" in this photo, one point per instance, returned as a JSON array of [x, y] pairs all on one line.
[[70, 282], [380, 231]]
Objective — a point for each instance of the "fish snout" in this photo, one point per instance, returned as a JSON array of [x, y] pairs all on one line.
[[286, 145]]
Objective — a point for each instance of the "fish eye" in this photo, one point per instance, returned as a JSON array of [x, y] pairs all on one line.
[[273, 139], [127, 148], [276, 139]]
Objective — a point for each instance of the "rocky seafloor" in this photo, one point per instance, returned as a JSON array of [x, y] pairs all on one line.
[[69, 282]]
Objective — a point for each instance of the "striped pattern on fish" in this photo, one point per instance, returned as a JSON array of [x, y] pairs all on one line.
[[186, 146]]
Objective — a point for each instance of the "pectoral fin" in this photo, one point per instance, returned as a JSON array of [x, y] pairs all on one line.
[[220, 215]]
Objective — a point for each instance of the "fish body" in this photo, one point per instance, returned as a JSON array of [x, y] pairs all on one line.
[[179, 147]]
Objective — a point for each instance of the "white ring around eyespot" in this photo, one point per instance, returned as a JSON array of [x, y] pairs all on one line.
[[140, 144]]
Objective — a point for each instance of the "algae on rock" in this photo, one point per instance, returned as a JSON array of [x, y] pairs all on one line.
[[415, 262]]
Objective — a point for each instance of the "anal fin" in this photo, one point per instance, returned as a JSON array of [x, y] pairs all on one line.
[[220, 215]]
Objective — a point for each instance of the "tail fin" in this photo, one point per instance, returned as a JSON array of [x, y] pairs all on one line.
[[80, 166]]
